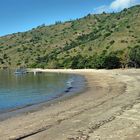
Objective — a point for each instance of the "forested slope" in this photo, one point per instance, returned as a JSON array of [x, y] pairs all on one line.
[[94, 41]]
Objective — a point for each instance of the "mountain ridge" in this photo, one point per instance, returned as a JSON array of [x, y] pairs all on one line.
[[89, 42]]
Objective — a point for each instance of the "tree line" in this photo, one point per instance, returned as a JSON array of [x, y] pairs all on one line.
[[98, 61]]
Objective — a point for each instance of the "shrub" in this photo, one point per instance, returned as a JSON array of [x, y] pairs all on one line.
[[134, 56], [112, 42]]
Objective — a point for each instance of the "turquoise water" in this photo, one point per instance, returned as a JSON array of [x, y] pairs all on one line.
[[23, 90]]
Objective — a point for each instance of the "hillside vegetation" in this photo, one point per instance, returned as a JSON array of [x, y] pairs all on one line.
[[94, 41]]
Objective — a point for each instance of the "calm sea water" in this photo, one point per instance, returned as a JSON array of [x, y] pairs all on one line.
[[22, 90]]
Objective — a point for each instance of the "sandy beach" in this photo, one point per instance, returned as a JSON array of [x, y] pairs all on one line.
[[108, 109]]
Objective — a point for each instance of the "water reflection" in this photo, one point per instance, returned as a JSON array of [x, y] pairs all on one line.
[[21, 90]]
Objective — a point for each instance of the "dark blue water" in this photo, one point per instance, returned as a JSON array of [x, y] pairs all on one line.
[[22, 90]]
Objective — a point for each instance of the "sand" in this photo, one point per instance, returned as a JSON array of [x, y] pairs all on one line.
[[108, 109]]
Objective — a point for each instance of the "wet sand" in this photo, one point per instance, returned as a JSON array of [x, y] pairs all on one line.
[[109, 109]]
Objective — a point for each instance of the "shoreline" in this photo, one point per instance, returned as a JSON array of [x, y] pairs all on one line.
[[70, 92], [104, 103]]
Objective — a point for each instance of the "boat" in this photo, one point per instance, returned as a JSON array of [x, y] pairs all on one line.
[[20, 71]]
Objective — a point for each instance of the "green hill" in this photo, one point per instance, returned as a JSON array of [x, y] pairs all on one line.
[[94, 41]]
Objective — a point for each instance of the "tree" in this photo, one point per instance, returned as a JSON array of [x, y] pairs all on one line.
[[5, 56], [134, 56], [111, 61]]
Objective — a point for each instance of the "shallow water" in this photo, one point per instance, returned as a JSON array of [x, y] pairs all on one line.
[[18, 91]]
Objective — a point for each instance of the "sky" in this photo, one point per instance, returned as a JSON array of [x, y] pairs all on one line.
[[23, 15]]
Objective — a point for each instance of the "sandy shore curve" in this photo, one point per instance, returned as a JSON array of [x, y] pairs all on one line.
[[109, 109]]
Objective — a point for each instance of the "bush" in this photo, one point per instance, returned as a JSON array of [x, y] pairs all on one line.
[[107, 34], [112, 42], [111, 62], [134, 57]]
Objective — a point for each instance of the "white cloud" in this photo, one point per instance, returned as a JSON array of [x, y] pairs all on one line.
[[121, 4], [116, 5]]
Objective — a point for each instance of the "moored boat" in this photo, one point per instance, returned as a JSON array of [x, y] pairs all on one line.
[[20, 71]]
